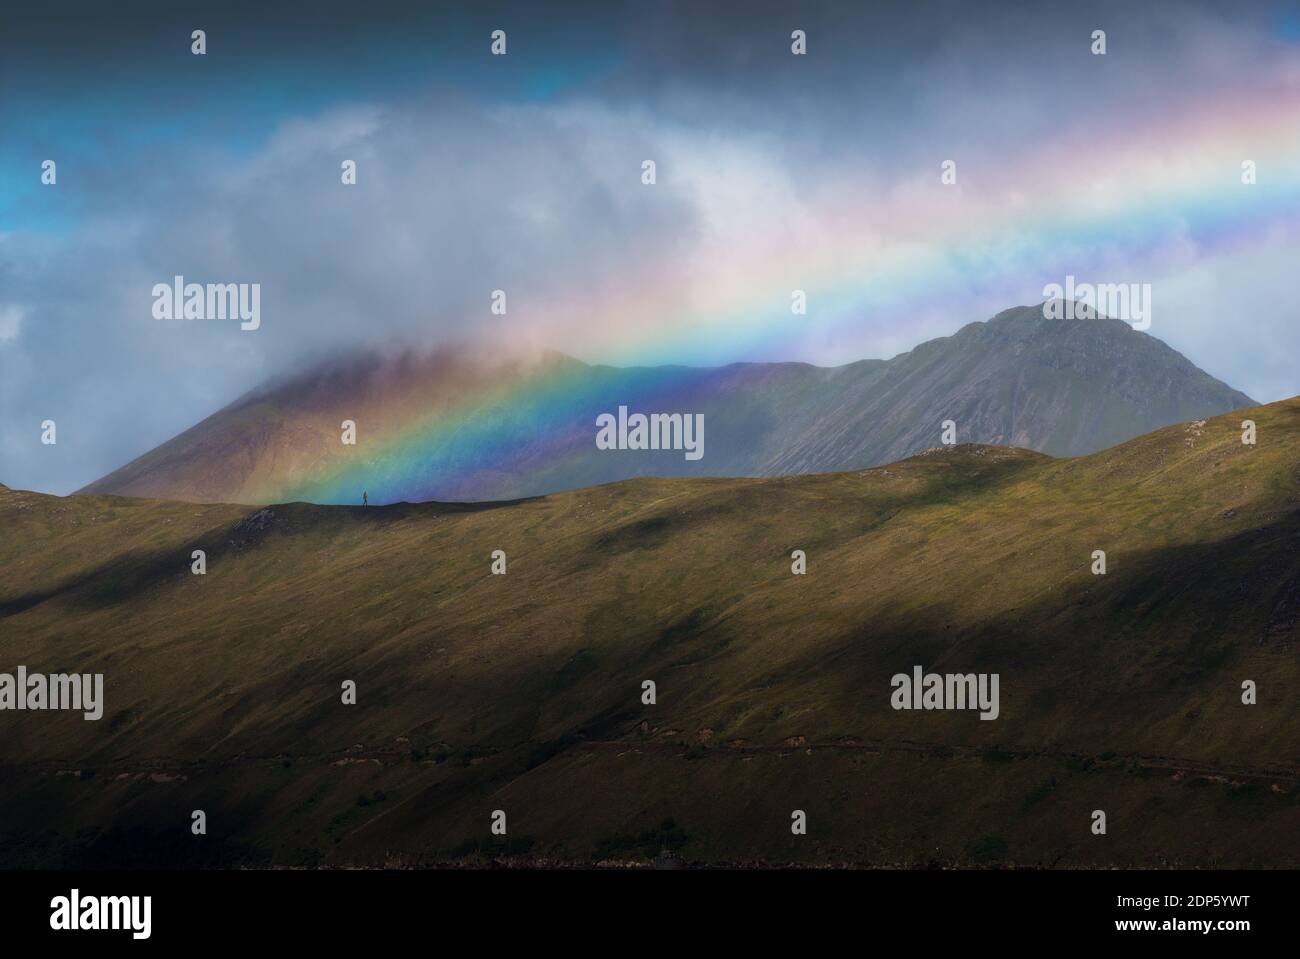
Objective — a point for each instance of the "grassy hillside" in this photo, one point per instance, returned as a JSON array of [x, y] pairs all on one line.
[[522, 692]]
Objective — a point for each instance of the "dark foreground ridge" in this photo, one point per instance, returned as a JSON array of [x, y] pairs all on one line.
[[523, 692]]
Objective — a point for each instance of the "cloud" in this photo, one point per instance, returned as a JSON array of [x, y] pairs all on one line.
[[774, 173], [11, 321], [452, 201]]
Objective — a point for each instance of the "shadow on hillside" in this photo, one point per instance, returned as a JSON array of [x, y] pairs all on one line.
[[1153, 639], [1162, 632]]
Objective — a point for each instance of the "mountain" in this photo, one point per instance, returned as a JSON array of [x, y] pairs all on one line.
[[523, 692], [456, 426]]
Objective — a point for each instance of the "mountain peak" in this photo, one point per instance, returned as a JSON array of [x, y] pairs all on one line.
[[460, 424]]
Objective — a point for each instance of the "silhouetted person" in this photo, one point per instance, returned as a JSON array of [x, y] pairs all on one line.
[[365, 498]]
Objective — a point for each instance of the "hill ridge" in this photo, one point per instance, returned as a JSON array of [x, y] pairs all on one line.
[[478, 689], [454, 426]]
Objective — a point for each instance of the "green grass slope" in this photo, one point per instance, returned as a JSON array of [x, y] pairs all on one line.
[[522, 692]]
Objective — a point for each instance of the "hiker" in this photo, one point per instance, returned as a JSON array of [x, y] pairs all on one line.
[[365, 498]]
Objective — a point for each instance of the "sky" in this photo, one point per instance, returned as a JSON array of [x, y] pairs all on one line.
[[774, 172]]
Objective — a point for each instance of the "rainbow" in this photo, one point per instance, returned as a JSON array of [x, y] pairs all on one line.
[[1139, 201]]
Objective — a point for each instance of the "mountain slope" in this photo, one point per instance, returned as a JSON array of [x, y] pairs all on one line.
[[459, 427], [523, 691]]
